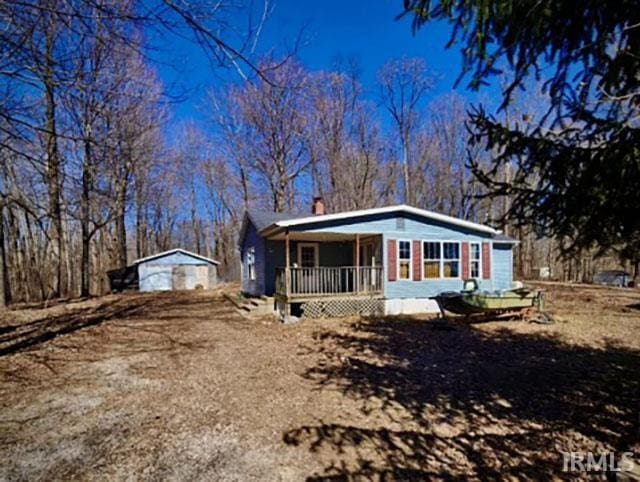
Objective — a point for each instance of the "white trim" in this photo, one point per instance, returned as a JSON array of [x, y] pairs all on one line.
[[442, 259], [458, 259], [173, 251], [389, 209], [316, 247], [410, 278], [251, 267], [491, 265], [505, 241], [422, 261], [479, 243]]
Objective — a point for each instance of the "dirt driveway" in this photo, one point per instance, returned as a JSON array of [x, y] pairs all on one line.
[[178, 386]]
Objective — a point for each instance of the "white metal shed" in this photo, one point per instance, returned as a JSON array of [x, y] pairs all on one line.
[[176, 269]]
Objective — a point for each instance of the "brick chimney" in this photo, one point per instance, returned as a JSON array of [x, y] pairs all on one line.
[[317, 208]]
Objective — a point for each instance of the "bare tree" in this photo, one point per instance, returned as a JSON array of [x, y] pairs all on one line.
[[79, 121], [3, 261], [442, 181], [345, 145], [272, 119], [403, 84]]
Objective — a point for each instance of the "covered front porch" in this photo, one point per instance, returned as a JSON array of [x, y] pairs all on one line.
[[328, 265]]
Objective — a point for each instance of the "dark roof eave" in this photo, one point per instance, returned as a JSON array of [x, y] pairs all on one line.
[[271, 230]]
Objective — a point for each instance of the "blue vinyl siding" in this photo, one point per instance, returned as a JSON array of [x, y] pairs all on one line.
[[503, 266], [414, 228], [425, 288], [253, 239]]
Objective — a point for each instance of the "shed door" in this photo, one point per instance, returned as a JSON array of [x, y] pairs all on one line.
[[179, 275], [190, 276], [155, 278], [201, 278]]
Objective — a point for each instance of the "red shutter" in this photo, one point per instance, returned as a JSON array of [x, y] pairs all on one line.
[[392, 261], [465, 260], [416, 252], [486, 260]]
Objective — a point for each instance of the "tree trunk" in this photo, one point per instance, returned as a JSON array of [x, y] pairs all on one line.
[[53, 160], [121, 237], [195, 223], [408, 198], [280, 196], [121, 230], [244, 182], [85, 209], [3, 264], [521, 254], [141, 234]]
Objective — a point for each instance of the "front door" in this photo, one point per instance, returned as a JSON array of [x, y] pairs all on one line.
[[369, 259], [308, 258], [308, 255]]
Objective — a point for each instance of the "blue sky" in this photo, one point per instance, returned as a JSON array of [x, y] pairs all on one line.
[[366, 31]]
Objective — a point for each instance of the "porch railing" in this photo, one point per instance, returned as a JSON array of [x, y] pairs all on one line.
[[328, 281]]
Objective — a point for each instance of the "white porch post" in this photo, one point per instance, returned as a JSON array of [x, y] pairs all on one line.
[[357, 283]]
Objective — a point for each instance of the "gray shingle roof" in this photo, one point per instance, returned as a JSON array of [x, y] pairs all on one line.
[[264, 219], [504, 237]]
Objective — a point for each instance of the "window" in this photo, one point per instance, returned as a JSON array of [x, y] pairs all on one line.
[[251, 263], [430, 259], [474, 260], [404, 260], [307, 255], [451, 260], [440, 259]]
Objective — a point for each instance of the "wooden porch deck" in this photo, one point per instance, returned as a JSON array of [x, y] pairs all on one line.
[[306, 284]]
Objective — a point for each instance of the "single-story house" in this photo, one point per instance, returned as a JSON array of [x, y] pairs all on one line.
[[176, 269], [389, 259]]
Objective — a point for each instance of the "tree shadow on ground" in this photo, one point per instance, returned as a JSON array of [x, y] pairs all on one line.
[[465, 403], [14, 338], [18, 337]]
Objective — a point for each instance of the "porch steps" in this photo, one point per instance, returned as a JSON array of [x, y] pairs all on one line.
[[257, 307], [252, 308]]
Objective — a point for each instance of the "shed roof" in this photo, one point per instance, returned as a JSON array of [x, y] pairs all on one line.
[[174, 251]]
